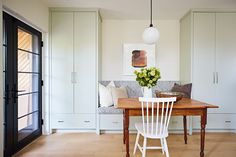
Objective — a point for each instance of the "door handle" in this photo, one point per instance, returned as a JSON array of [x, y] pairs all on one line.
[[75, 77], [216, 77], [72, 77]]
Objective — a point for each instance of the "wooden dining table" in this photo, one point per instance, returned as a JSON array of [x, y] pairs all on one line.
[[183, 107]]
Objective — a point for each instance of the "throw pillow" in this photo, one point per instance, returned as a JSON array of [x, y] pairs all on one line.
[[185, 89], [118, 93], [105, 96]]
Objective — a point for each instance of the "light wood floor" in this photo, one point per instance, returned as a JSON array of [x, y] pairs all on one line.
[[110, 145]]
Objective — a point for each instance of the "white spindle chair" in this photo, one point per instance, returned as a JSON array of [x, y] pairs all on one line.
[[156, 113]]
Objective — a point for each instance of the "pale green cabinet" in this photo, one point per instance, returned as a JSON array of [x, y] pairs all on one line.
[[74, 65], [208, 60]]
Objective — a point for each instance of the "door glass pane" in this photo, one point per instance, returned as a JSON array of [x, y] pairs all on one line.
[[27, 125], [25, 40], [27, 104], [27, 83], [27, 62]]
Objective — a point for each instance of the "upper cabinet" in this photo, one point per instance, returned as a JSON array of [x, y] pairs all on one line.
[[225, 61], [75, 63], [208, 57]]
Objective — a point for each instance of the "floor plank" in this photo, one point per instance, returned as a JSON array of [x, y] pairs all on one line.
[[110, 145]]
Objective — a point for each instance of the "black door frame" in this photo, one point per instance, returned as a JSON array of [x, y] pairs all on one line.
[[11, 144]]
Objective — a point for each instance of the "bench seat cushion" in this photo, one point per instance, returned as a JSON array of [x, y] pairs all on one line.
[[109, 110]]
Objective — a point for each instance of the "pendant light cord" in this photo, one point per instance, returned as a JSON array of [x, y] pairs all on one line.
[[151, 25]]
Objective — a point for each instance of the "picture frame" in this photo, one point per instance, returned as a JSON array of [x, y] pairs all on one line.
[[137, 56]]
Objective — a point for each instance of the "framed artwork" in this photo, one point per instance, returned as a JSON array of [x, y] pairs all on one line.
[[137, 56]]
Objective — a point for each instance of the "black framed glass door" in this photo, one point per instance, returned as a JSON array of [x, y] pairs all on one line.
[[23, 92]]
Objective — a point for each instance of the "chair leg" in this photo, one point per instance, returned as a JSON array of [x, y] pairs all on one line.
[[144, 147], [162, 145], [136, 142], [185, 129], [166, 148]]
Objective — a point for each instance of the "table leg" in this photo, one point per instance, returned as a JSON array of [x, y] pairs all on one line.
[[123, 127], [203, 126], [185, 129], [127, 132]]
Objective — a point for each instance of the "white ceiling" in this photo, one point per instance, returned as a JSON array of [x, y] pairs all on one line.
[[139, 9]]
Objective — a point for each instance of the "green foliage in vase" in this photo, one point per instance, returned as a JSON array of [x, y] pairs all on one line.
[[147, 77]]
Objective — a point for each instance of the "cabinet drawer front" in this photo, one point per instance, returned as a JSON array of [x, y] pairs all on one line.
[[217, 121], [176, 123], [111, 122], [134, 120], [115, 122], [73, 121]]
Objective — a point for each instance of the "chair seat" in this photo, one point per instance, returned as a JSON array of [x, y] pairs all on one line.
[[151, 131]]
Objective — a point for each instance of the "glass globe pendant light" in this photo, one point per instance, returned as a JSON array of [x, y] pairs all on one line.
[[151, 34]]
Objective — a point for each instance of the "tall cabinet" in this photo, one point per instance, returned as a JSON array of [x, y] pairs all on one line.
[[74, 68], [208, 60]]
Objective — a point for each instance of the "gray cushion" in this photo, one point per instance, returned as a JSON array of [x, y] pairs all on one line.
[[134, 89], [185, 89], [109, 110]]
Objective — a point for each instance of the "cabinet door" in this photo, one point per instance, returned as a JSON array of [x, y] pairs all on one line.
[[62, 62], [226, 61], [204, 57], [85, 62]]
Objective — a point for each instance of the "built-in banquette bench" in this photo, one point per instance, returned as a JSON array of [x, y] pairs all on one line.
[[111, 119]]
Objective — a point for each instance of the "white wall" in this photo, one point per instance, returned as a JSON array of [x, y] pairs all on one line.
[[34, 11], [117, 32]]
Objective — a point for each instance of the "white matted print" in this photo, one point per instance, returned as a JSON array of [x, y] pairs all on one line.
[[137, 56]]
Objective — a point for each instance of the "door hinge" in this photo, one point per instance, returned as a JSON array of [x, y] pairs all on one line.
[[41, 43], [41, 121], [41, 82]]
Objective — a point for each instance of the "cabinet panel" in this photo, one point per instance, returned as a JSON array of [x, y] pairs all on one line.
[[73, 121], [226, 61], [62, 62], [85, 62], [185, 47], [115, 122], [204, 57], [111, 122], [176, 123], [133, 121], [217, 121]]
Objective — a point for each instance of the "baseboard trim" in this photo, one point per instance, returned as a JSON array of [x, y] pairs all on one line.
[[174, 131], [217, 130], [134, 131], [72, 131]]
